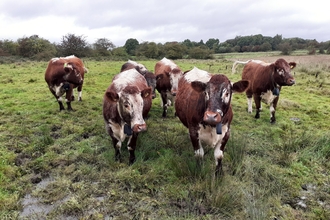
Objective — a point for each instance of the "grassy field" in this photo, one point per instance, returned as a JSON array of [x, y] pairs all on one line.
[[60, 165]]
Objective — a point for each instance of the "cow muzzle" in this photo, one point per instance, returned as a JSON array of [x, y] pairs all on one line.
[[291, 82], [139, 128], [212, 118]]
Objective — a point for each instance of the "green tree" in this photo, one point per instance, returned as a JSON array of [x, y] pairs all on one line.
[[148, 49], [285, 48], [200, 53], [174, 50], [213, 44], [8, 47], [131, 45], [120, 53], [35, 47], [73, 45], [103, 47]]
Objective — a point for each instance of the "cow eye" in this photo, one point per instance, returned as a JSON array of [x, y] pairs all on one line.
[[126, 105]]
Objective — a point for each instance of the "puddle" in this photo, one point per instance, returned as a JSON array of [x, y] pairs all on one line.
[[33, 206]]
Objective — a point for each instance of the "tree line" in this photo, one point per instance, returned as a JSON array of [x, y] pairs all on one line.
[[37, 48]]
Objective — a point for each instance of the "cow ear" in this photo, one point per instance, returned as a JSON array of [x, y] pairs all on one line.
[[112, 96], [240, 86], [292, 65], [68, 67], [146, 92], [198, 86]]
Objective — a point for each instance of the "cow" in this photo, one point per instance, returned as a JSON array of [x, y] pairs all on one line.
[[233, 69], [62, 75], [167, 79], [126, 101], [266, 81], [149, 76], [203, 105]]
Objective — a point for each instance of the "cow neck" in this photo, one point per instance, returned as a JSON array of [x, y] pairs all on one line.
[[273, 83]]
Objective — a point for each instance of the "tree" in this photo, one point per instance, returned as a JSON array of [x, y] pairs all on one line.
[[131, 45], [35, 47], [73, 45], [148, 49], [200, 53], [213, 44], [173, 50], [285, 48], [103, 47], [8, 47]]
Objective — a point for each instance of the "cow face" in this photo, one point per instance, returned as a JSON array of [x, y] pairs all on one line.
[[218, 93], [130, 106], [73, 74], [282, 74], [175, 75]]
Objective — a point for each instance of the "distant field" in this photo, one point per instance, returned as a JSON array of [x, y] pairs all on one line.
[[60, 165]]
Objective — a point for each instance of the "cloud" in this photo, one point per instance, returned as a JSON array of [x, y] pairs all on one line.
[[163, 21]]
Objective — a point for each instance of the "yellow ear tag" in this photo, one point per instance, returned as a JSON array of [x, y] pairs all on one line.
[[65, 64]]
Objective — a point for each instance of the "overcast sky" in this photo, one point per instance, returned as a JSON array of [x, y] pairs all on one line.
[[163, 21]]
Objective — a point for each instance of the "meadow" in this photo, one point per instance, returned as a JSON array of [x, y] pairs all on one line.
[[60, 165]]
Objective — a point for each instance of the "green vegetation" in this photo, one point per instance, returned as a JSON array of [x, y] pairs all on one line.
[[61, 164]]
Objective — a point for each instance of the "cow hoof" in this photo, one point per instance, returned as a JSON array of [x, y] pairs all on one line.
[[272, 121]]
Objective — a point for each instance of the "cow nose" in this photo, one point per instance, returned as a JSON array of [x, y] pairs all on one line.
[[173, 93], [139, 128], [212, 117], [292, 81]]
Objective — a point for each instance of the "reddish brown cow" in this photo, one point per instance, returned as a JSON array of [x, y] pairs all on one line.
[[167, 79], [62, 76], [203, 105], [266, 81], [149, 76], [125, 102]]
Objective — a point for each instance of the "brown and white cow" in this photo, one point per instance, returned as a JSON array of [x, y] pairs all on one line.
[[125, 102], [62, 75], [167, 79], [203, 105], [149, 76], [266, 81]]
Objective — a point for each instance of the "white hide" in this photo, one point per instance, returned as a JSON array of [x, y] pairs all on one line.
[[209, 136], [197, 75]]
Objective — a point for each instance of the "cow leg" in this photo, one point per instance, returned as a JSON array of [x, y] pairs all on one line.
[[79, 89], [116, 145], [164, 101], [219, 150], [272, 110], [68, 99], [257, 101], [199, 151], [131, 147]]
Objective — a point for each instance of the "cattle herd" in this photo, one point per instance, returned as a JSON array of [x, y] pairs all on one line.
[[202, 100]]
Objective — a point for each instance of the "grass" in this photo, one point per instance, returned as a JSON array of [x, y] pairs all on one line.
[[64, 161]]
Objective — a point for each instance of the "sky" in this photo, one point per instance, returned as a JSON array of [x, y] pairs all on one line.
[[163, 21]]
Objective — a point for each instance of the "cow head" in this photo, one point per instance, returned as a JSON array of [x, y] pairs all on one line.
[[218, 93], [175, 75], [73, 74], [282, 73], [130, 106]]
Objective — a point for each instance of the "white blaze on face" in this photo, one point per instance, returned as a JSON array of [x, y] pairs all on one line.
[[226, 96]]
